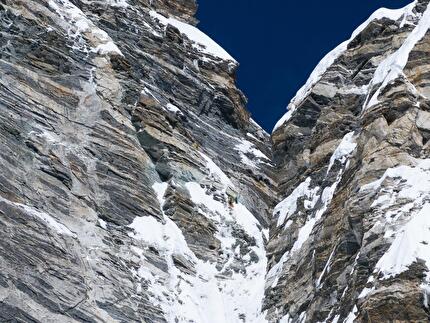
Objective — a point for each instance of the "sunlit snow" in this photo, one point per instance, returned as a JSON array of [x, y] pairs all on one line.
[[202, 42], [329, 59]]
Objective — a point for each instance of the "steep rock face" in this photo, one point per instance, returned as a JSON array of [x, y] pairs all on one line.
[[116, 120], [350, 239], [136, 188]]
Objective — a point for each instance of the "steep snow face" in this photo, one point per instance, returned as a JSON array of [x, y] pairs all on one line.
[[406, 225], [202, 42], [392, 67], [330, 58], [210, 294], [243, 292]]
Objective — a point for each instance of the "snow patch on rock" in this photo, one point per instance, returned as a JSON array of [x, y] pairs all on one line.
[[80, 24], [209, 295], [346, 147], [250, 155], [392, 67], [202, 42], [403, 205], [288, 206], [329, 59]]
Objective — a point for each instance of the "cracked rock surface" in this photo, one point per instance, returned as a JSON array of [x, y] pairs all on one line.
[[135, 186]]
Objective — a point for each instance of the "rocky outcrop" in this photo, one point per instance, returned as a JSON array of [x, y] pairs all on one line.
[[115, 125], [349, 241], [135, 187]]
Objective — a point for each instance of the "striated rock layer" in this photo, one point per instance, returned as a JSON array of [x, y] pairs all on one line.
[[115, 125], [350, 241], [135, 187]]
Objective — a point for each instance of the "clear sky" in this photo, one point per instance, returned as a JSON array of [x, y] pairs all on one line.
[[279, 42]]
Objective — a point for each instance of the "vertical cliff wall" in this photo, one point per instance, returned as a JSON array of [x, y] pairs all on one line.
[[350, 240], [135, 187]]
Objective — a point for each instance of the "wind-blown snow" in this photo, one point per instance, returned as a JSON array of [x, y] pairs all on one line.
[[402, 203], [392, 67], [329, 59], [202, 42]]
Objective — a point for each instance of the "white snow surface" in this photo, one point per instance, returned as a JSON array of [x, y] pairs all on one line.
[[392, 67], [184, 297], [404, 208], [326, 267], [204, 297], [352, 315], [246, 149], [288, 206], [202, 41], [243, 293], [173, 108], [118, 3], [346, 147], [328, 60], [216, 171]]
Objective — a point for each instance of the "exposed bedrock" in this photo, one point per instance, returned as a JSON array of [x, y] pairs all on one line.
[[135, 186]]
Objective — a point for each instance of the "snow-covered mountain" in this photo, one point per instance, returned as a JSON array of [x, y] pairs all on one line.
[[135, 187], [350, 241]]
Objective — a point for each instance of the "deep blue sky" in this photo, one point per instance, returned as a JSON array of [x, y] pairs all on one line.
[[279, 42]]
